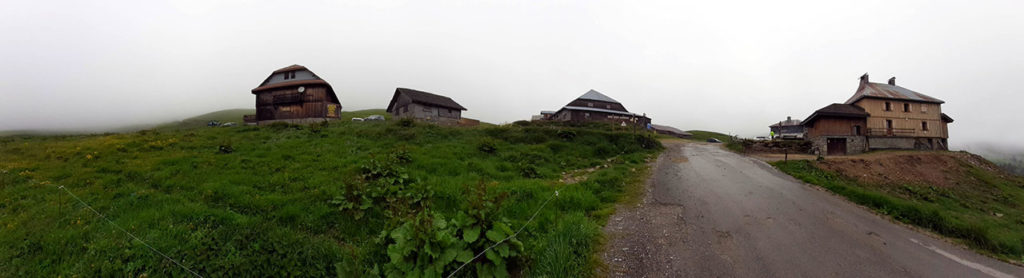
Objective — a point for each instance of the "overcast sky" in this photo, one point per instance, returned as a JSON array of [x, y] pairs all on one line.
[[729, 66]]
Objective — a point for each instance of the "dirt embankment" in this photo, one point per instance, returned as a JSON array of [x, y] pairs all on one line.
[[944, 169]]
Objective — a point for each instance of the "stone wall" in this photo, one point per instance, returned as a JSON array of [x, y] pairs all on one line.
[[877, 143], [854, 144]]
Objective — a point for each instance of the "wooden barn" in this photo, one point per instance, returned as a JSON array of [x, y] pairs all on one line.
[[594, 106], [294, 94], [837, 129], [424, 106]]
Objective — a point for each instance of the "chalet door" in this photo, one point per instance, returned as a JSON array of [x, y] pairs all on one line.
[[836, 146]]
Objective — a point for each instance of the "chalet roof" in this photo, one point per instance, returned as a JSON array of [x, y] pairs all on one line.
[[789, 122], [425, 98], [290, 68], [837, 110], [887, 91], [670, 129], [598, 96], [313, 80]]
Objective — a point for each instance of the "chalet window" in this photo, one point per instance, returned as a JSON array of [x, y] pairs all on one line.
[[924, 108], [856, 130], [590, 104], [587, 115], [888, 124], [286, 76], [906, 107], [293, 75], [924, 126], [608, 106], [888, 106]]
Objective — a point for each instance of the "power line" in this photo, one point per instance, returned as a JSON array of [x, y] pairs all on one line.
[[129, 234]]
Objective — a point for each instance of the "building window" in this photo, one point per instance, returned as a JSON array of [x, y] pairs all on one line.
[[856, 130], [590, 104], [888, 106], [293, 75], [608, 106], [586, 115], [924, 108], [888, 124], [286, 76], [924, 126], [906, 107]]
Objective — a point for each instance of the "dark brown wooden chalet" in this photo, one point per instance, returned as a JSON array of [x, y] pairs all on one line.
[[594, 106], [424, 106], [837, 129], [294, 94]]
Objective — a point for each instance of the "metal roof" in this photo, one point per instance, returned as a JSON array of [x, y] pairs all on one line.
[[598, 96], [886, 91], [422, 97], [837, 110], [670, 129], [580, 108]]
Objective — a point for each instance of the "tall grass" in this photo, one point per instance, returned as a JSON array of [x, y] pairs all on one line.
[[265, 208]]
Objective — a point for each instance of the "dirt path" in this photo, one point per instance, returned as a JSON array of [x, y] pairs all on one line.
[[712, 213]]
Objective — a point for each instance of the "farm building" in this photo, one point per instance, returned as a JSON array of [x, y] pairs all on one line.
[[788, 129], [671, 131], [887, 116], [423, 106], [594, 106], [294, 94]]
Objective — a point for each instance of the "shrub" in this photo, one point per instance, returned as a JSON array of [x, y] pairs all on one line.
[[487, 146]]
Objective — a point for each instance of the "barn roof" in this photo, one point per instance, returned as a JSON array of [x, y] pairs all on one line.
[[426, 98], [889, 91], [837, 110], [598, 96], [946, 118], [313, 80]]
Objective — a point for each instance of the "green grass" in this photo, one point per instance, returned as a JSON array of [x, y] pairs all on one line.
[[223, 116], [985, 211], [269, 207]]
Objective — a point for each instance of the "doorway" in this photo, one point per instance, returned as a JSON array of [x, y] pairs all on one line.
[[836, 146]]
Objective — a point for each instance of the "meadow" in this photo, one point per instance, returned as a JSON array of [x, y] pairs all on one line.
[[346, 199]]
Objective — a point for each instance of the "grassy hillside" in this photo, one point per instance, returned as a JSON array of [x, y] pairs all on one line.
[[223, 116], [727, 141], [958, 195], [348, 199]]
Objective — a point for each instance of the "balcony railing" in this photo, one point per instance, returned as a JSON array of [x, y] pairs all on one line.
[[891, 132]]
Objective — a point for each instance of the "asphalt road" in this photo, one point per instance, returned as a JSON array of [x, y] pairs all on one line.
[[712, 213]]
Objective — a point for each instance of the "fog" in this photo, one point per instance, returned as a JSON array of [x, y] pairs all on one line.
[[728, 66]]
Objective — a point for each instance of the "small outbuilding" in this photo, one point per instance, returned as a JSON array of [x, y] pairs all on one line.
[[294, 94], [789, 129], [424, 106], [837, 129]]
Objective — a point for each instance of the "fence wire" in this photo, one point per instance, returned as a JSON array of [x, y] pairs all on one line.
[[129, 234]]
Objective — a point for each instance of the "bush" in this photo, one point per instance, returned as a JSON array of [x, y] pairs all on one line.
[[487, 146]]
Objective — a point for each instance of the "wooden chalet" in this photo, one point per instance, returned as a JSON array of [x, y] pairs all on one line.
[[788, 129], [879, 116], [594, 106], [294, 94], [424, 106]]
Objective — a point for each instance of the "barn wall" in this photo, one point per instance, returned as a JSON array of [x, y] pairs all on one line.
[[836, 126], [288, 103], [299, 75]]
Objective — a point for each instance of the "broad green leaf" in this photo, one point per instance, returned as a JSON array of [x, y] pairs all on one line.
[[465, 256], [495, 235], [448, 255], [493, 256], [471, 234]]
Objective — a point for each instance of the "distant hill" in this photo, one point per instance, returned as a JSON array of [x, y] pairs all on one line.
[[223, 116], [701, 135]]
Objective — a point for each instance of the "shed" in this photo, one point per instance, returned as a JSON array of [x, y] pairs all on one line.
[[424, 106]]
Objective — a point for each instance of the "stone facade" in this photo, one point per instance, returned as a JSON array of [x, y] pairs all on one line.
[[854, 144]]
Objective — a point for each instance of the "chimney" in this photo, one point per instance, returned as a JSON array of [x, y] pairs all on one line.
[[864, 78], [789, 118], [892, 81]]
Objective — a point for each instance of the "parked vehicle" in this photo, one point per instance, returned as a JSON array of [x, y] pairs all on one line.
[[357, 119], [714, 140], [374, 118], [213, 123], [228, 124]]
